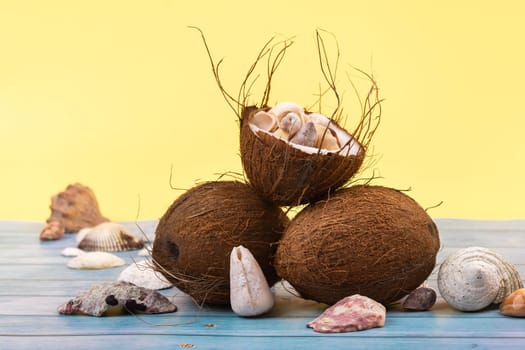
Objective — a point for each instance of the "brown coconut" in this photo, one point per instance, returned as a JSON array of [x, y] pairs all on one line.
[[370, 240], [76, 208], [286, 175], [196, 235]]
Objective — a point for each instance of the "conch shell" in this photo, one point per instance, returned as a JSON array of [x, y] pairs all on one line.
[[250, 294], [76, 208], [475, 277]]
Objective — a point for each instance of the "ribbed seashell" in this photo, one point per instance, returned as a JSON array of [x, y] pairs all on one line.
[[264, 121], [326, 138], [109, 237], [307, 136], [142, 274], [475, 277], [283, 108], [250, 294], [95, 261]]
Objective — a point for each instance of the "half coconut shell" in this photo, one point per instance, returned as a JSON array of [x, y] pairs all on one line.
[[287, 175]]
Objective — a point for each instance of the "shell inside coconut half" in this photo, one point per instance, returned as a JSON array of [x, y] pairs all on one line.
[[294, 157]]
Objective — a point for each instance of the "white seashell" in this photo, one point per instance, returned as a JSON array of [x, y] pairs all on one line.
[[307, 136], [109, 237], [280, 133], [250, 294], [283, 108], [318, 118], [291, 122], [95, 261], [71, 251], [264, 120], [475, 277], [142, 274], [326, 138]]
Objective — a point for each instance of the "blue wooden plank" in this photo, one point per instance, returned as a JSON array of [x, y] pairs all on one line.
[[156, 342], [503, 327]]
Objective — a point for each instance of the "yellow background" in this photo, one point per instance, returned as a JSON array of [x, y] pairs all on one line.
[[112, 93]]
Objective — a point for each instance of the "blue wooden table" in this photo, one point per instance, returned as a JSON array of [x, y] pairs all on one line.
[[34, 281]]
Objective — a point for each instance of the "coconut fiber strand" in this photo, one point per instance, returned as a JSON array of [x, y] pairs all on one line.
[[196, 235], [370, 240]]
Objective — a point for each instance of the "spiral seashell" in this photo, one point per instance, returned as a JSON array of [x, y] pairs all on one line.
[[109, 237], [264, 121], [283, 108], [307, 136], [291, 122], [475, 277]]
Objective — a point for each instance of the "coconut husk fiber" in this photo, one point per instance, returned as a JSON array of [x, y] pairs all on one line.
[[287, 176], [368, 240], [196, 235]]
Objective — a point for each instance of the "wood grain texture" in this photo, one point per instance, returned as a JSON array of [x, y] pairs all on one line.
[[34, 281]]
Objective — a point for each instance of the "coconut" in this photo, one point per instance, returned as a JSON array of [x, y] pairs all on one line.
[[295, 168], [196, 235], [368, 240]]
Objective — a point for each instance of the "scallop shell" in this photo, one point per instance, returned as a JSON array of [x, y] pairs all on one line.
[[250, 294], [475, 277], [142, 274], [95, 261], [109, 237]]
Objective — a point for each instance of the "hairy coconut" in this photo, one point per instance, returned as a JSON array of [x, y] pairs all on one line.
[[368, 240], [195, 237], [289, 174]]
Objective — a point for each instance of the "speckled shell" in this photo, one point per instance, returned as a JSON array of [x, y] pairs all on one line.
[[108, 237], [475, 277]]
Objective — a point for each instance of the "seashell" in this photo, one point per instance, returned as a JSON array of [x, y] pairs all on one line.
[[95, 261], [109, 237], [420, 299], [353, 313], [326, 138], [283, 108], [105, 297], [291, 122], [280, 133], [475, 277], [264, 120], [142, 274], [318, 119], [71, 251], [514, 304], [53, 231], [250, 294], [76, 208], [307, 136]]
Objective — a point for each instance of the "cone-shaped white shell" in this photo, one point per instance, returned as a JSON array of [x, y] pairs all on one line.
[[475, 277], [250, 294]]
